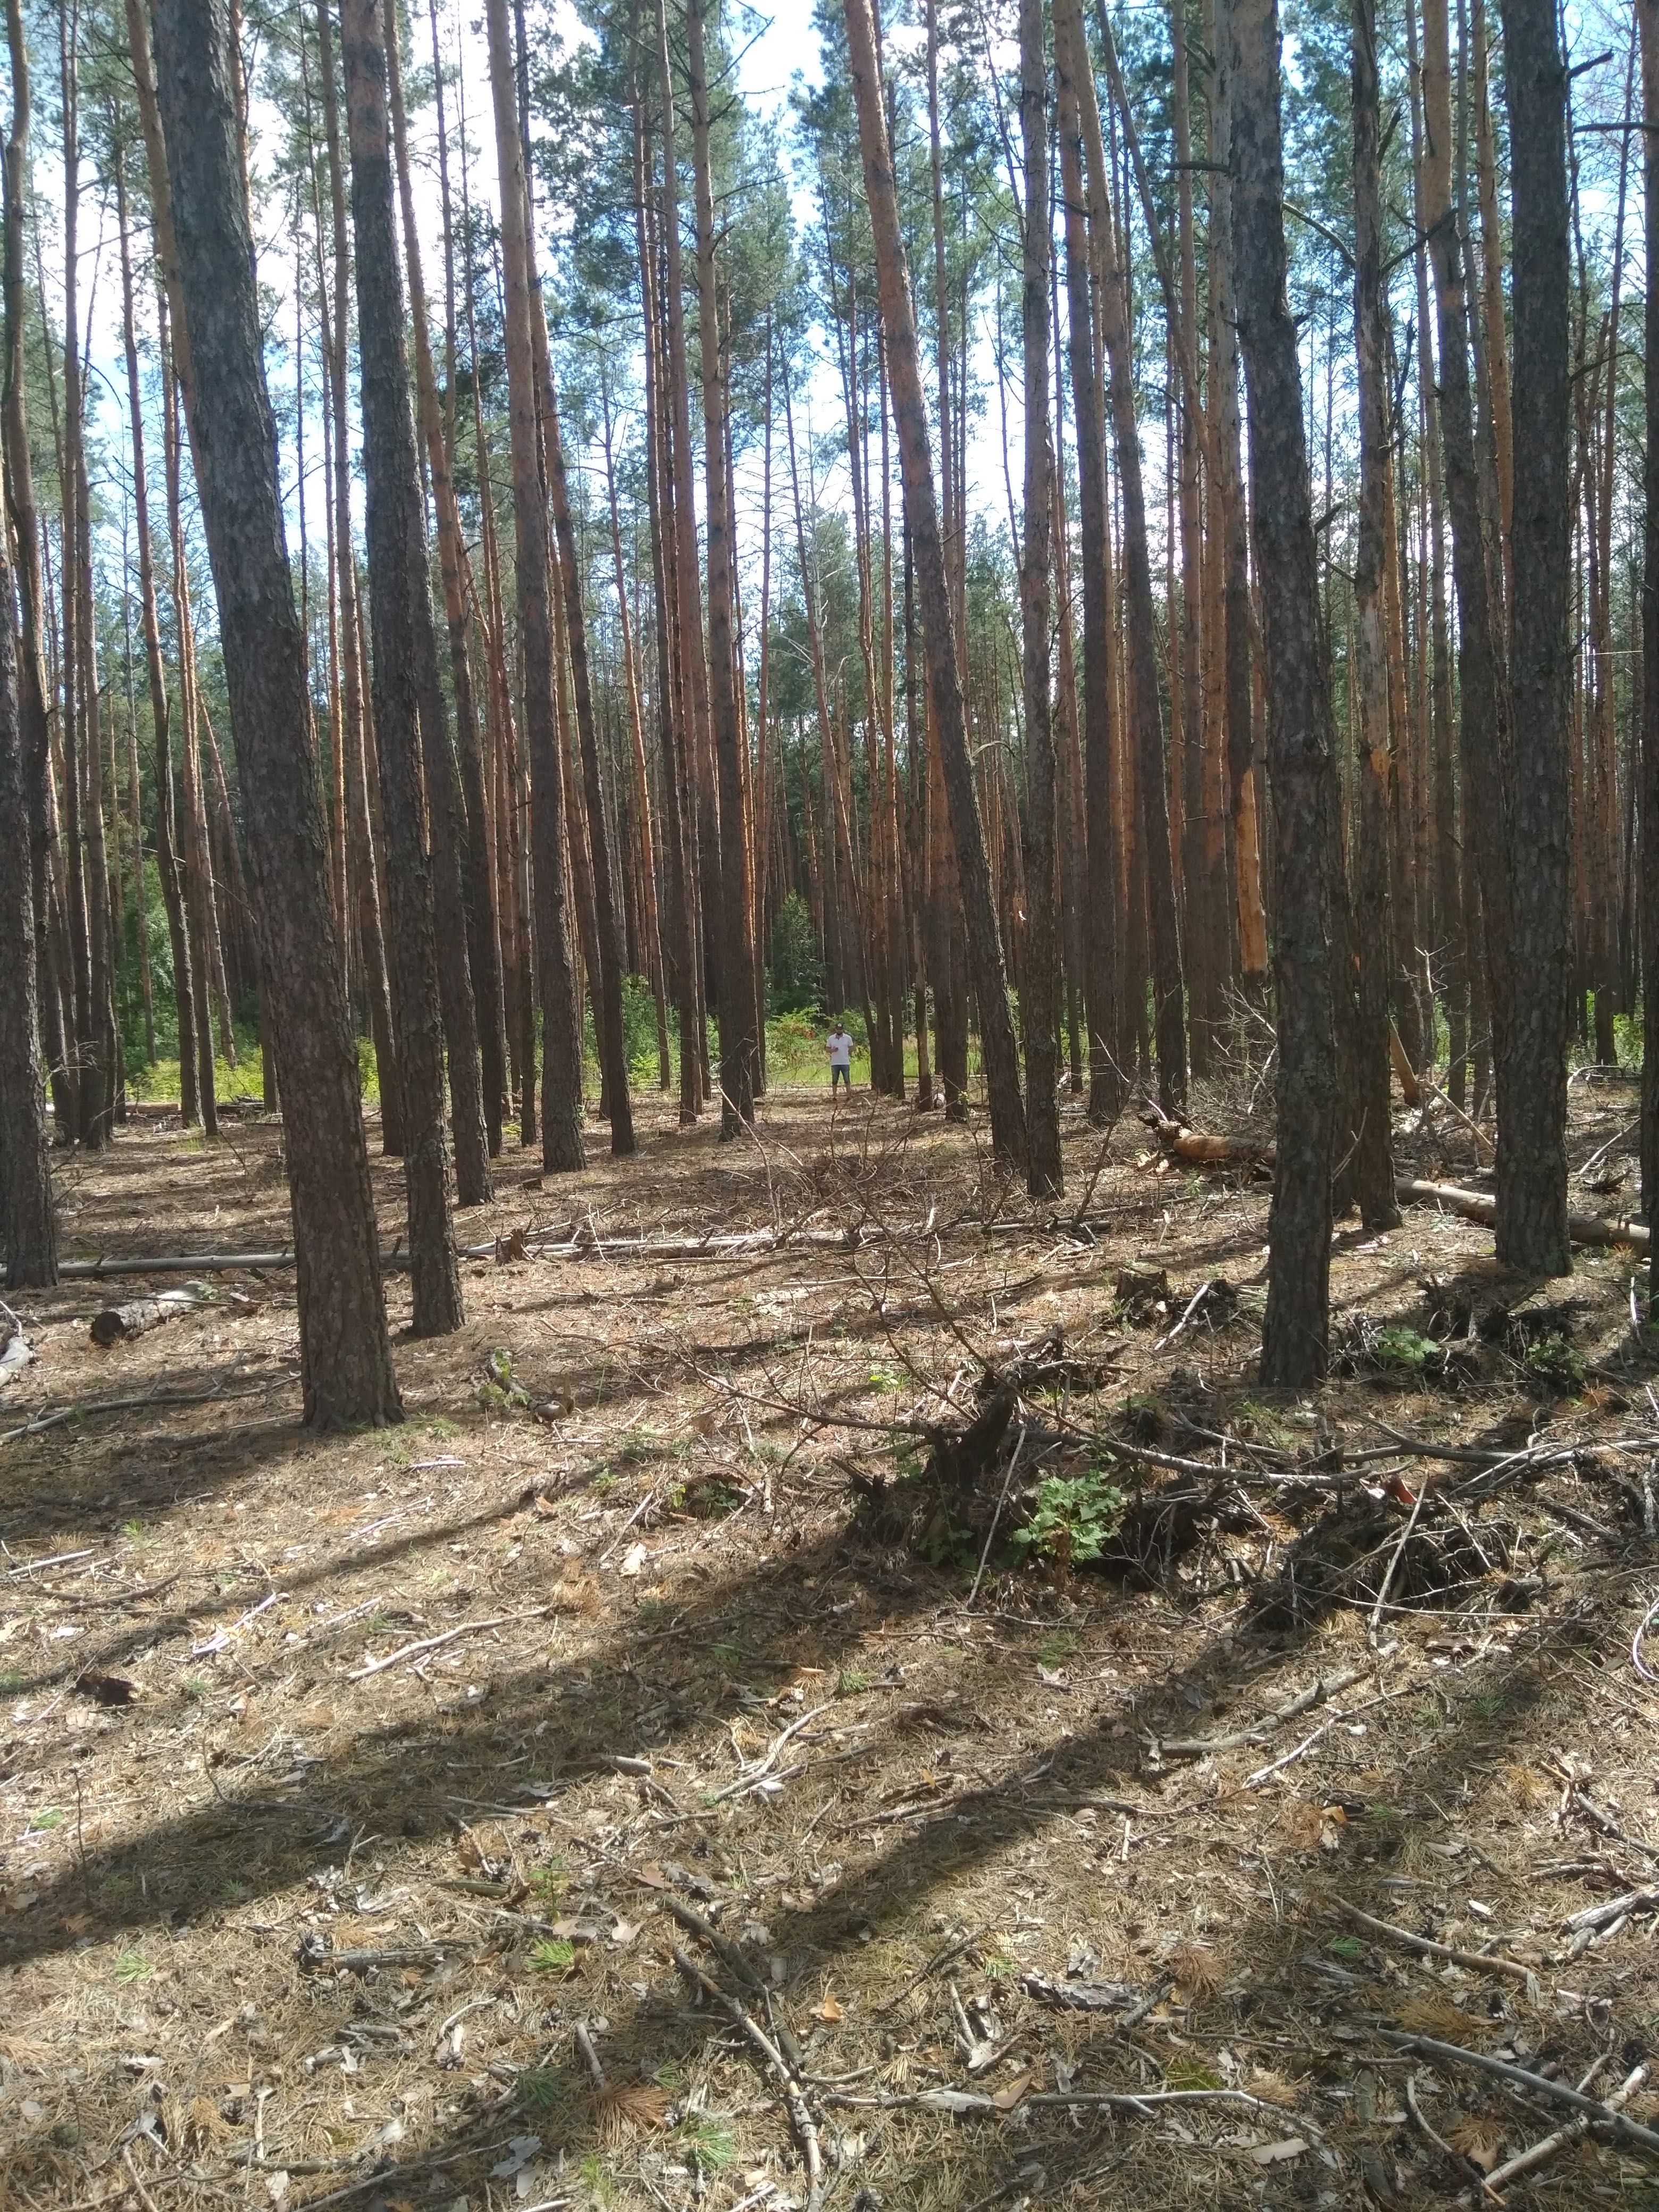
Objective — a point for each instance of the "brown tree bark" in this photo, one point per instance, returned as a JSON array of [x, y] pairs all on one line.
[[1145, 719], [470, 963], [1040, 979], [27, 1225], [1371, 1136], [998, 1048], [167, 855], [1301, 739], [562, 1097], [739, 1037], [1532, 1065], [345, 1353], [404, 668], [35, 734], [1647, 18]]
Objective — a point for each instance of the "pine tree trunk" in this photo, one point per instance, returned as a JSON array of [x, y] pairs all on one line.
[[1099, 671], [35, 729], [27, 1227], [997, 1044], [404, 666], [1146, 729], [166, 856], [1039, 995], [1647, 18], [465, 892], [1371, 1137], [1294, 1344], [345, 1353], [562, 1097], [1479, 658], [1532, 1070]]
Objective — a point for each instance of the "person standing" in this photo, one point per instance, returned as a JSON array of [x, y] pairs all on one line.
[[839, 1046]]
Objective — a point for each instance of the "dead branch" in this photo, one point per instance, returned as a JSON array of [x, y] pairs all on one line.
[[794, 2096], [1328, 1685], [436, 1643], [1537, 2153], [115, 1324], [1518, 2077], [1473, 1206], [1482, 1962]]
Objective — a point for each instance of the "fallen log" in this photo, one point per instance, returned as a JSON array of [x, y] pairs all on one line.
[[1473, 1206], [1177, 1142], [117, 1324]]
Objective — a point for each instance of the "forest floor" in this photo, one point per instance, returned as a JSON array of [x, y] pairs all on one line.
[[596, 1792]]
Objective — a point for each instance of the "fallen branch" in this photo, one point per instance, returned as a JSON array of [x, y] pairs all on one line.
[[1536, 2154], [1482, 1962], [116, 1324], [436, 1643], [1473, 1206], [1328, 1685], [1518, 2077], [794, 2096]]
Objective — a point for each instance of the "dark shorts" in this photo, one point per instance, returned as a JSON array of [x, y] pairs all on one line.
[[838, 1075]]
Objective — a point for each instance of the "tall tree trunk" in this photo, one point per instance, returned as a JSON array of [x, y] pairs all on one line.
[[561, 1099], [34, 726], [166, 854], [345, 1353], [739, 1039], [1647, 18], [1237, 621], [1039, 995], [1371, 1137], [469, 953], [1301, 738], [1169, 990], [27, 1227], [997, 1044], [405, 663], [1099, 642], [1532, 1070], [1480, 674]]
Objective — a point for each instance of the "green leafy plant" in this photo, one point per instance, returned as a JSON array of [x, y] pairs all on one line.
[[501, 1392], [1191, 2074], [133, 1966], [550, 1880], [1056, 1648], [49, 1816], [552, 1955], [1347, 1946], [1403, 1349], [1552, 1360], [10, 1682], [1073, 1519]]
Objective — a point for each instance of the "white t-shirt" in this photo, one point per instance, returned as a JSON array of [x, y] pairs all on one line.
[[840, 1048]]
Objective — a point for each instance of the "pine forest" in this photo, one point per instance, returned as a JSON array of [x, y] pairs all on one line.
[[828, 1080]]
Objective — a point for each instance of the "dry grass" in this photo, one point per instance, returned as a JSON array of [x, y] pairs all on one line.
[[918, 1881]]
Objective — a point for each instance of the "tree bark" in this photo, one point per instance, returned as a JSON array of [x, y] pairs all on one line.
[[469, 951], [404, 666], [562, 1116], [997, 1044], [1371, 1136], [345, 1353], [1647, 18], [1146, 726], [1531, 1068], [1039, 1006], [1294, 1342], [27, 1227]]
